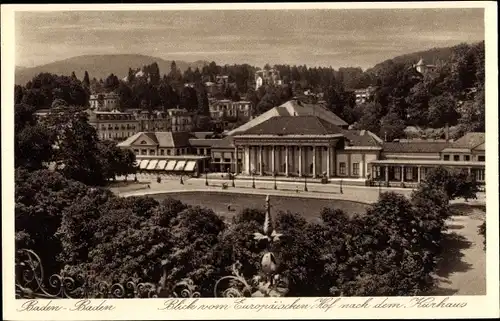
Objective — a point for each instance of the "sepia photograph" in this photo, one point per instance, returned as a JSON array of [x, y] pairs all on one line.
[[249, 153]]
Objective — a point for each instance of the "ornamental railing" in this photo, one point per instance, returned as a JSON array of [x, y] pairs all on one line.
[[31, 281]]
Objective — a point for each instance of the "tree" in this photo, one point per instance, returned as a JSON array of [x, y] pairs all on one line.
[[482, 231], [86, 80], [76, 142], [40, 198], [418, 104], [473, 115], [454, 183], [115, 161], [18, 94], [46, 87], [126, 96], [168, 96], [392, 127], [442, 111], [188, 99], [370, 120], [111, 83], [33, 141], [202, 99]]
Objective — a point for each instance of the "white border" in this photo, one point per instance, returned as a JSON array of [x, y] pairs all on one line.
[[477, 306]]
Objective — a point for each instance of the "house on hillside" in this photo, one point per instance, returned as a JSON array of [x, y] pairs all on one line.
[[424, 68]]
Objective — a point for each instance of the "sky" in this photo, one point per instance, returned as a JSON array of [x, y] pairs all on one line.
[[337, 38]]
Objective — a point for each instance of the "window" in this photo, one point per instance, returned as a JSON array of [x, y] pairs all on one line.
[[168, 152], [480, 158], [397, 173], [446, 157], [162, 152], [355, 169], [216, 160], [227, 160], [143, 152], [342, 168], [136, 151], [409, 174], [480, 175], [151, 152], [467, 158], [456, 158]]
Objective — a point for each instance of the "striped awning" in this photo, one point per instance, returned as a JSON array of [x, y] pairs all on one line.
[[144, 164], [161, 164], [170, 165], [152, 164], [180, 165], [190, 166]]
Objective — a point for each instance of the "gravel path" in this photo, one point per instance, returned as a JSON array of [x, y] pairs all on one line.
[[463, 268]]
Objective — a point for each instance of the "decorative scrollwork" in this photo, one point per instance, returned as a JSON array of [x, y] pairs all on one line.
[[233, 285], [185, 289], [30, 284]]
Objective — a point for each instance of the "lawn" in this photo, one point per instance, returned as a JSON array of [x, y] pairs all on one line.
[[219, 202]]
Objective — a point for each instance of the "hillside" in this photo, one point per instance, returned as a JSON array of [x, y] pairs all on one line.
[[430, 56], [100, 66]]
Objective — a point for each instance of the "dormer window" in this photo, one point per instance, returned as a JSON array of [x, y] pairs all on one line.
[[143, 142]]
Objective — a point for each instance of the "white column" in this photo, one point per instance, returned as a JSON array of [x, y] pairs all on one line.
[[314, 162], [402, 173], [300, 161], [418, 173], [260, 160], [236, 159], [273, 160], [246, 161], [328, 162], [286, 160]]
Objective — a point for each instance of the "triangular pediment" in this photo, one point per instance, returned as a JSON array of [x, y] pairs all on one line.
[[144, 140]]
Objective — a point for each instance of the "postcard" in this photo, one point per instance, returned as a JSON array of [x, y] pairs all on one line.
[[250, 161]]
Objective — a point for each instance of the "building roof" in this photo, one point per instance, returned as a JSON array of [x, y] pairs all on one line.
[[161, 139], [362, 138], [437, 162], [226, 142], [414, 147], [202, 134], [203, 142], [470, 141], [294, 125], [292, 108], [421, 62]]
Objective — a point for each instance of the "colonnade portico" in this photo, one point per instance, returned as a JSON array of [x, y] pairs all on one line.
[[289, 160], [392, 171]]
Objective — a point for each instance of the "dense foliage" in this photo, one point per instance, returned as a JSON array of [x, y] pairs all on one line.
[[65, 138], [454, 183], [391, 249]]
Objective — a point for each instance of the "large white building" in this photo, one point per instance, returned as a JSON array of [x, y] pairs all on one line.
[[307, 140], [267, 77], [104, 101]]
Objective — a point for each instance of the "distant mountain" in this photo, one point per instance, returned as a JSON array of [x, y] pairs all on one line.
[[101, 66]]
